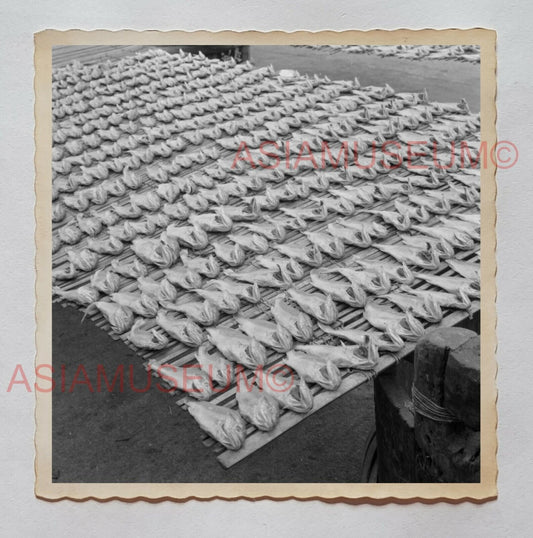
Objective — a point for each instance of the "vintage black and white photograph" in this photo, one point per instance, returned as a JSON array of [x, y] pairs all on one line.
[[266, 263]]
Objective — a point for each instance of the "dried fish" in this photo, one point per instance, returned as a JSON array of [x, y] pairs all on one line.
[[472, 228], [291, 267], [360, 196], [316, 305], [223, 424], [268, 333], [316, 182], [271, 230], [373, 229], [84, 259], [255, 243], [131, 179], [426, 308], [327, 243], [270, 278], [162, 252], [460, 300], [159, 220], [426, 258], [125, 231], [79, 201], [375, 281], [183, 276], [182, 330], [178, 211], [146, 339], [208, 267], [157, 174], [215, 195], [223, 300], [119, 317], [108, 217], [248, 292], [127, 211], [293, 395], [203, 180], [66, 272], [56, 243], [431, 181], [232, 254], [111, 245], [215, 366], [168, 192], [467, 270], [442, 247], [141, 304], [453, 284], [258, 408], [314, 370], [105, 281], [192, 380], [58, 212], [387, 191], [360, 238], [248, 212], [397, 272], [84, 295], [386, 341], [233, 188], [308, 254], [384, 318], [461, 196], [454, 237], [148, 200], [337, 205], [418, 213], [318, 213], [269, 201], [70, 234], [189, 236], [237, 347], [196, 202], [352, 295], [161, 291], [438, 205], [297, 322], [202, 312], [401, 221]]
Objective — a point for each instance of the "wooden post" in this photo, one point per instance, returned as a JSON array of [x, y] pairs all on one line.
[[446, 401], [396, 449]]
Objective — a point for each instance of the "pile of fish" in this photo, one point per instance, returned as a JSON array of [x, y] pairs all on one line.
[[461, 53], [291, 276]]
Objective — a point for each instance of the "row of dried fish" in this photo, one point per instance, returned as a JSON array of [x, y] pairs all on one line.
[[464, 53], [182, 71], [344, 202], [167, 110]]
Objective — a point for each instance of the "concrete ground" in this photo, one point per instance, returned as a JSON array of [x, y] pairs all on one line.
[[129, 436]]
